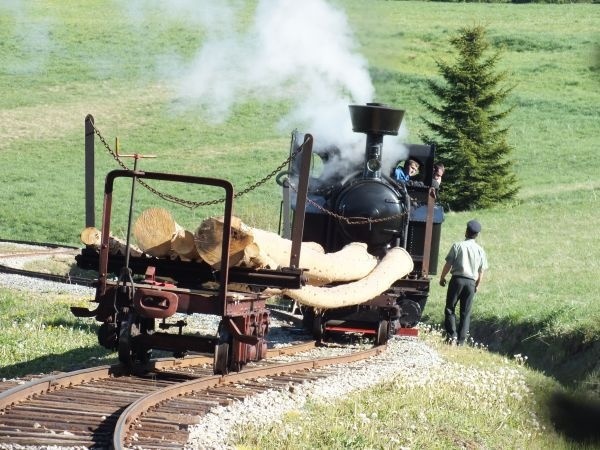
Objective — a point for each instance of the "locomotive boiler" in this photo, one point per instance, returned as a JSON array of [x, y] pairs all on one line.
[[365, 204]]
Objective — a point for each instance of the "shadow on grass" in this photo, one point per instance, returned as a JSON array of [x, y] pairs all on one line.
[[570, 358], [78, 358], [75, 359], [73, 323]]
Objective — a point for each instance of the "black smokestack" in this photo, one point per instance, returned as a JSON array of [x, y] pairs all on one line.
[[376, 120]]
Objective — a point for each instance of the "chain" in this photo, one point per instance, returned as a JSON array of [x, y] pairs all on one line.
[[188, 203], [347, 220]]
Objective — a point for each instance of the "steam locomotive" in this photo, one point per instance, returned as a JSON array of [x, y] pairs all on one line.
[[384, 213]]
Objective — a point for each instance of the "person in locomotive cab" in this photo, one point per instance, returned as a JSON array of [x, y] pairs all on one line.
[[466, 261], [410, 169], [438, 173]]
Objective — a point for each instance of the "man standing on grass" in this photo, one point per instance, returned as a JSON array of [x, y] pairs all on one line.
[[466, 261]]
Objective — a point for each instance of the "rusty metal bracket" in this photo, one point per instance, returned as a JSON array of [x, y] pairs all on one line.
[[298, 225], [237, 334]]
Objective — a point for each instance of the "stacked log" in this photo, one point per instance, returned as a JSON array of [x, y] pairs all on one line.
[[358, 275], [209, 237], [184, 245], [257, 248]]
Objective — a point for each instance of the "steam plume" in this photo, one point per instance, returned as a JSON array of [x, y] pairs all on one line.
[[302, 54]]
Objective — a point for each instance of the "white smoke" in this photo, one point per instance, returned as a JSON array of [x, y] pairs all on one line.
[[30, 36], [303, 54]]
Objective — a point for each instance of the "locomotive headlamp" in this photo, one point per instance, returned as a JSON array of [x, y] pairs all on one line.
[[373, 165], [373, 159]]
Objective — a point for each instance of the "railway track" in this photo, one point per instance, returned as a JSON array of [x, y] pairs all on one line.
[[25, 250], [106, 407]]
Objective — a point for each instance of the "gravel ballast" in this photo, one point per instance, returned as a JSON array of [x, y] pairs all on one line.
[[405, 357]]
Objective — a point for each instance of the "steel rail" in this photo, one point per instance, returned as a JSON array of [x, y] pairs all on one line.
[[137, 408], [50, 383], [196, 360], [39, 244], [64, 279]]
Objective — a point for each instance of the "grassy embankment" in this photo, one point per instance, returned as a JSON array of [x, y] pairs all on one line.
[[539, 298]]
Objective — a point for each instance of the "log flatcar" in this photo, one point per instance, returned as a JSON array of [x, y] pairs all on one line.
[[142, 301]]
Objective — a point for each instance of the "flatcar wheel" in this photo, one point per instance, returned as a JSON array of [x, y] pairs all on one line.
[[221, 359], [223, 350], [107, 335], [235, 367], [383, 332], [128, 353]]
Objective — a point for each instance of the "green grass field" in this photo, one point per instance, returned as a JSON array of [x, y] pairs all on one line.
[[60, 62]]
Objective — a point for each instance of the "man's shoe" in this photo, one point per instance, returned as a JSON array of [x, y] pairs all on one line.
[[451, 341]]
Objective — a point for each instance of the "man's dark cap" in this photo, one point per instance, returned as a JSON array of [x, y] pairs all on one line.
[[473, 226]]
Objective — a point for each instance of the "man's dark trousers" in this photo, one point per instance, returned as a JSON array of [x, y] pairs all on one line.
[[460, 289]]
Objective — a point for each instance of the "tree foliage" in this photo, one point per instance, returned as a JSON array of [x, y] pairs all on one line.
[[466, 129]]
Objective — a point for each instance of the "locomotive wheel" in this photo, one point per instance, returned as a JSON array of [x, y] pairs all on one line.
[[383, 332], [129, 353], [411, 313]]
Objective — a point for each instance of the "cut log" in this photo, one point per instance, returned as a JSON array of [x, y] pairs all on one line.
[[353, 262], [183, 244], [253, 258], [394, 265], [118, 246], [93, 237], [209, 238], [153, 231]]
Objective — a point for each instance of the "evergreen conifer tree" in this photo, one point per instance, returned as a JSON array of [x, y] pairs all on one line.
[[469, 139]]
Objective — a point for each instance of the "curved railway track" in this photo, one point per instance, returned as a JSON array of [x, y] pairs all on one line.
[[106, 407]]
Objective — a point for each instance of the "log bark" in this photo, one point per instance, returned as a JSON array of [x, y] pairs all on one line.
[[394, 265], [350, 263]]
